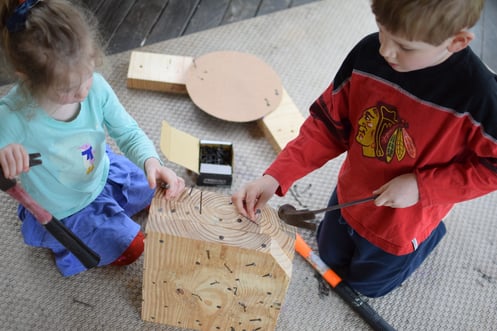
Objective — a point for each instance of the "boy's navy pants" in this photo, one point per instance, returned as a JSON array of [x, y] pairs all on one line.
[[365, 267]]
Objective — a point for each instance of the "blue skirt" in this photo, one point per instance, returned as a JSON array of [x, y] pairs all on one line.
[[104, 225]]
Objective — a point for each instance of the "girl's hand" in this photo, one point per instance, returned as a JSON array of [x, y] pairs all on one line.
[[13, 160], [400, 192], [155, 171], [254, 195]]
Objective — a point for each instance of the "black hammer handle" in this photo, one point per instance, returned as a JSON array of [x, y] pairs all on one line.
[[362, 308], [351, 297], [56, 228]]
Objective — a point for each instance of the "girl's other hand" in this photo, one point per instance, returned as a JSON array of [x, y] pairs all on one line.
[[157, 172], [13, 160], [254, 195]]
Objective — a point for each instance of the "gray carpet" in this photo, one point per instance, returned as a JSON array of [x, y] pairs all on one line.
[[455, 289]]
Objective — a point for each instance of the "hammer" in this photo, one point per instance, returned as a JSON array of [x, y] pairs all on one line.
[[56, 228]]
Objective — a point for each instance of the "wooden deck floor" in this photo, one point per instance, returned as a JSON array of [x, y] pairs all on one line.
[[134, 23], [128, 24]]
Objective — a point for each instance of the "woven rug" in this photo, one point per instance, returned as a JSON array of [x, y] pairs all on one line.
[[455, 289]]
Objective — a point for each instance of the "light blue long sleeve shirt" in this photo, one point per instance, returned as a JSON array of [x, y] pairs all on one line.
[[75, 166]]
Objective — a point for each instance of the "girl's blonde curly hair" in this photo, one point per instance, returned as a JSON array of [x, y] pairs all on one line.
[[58, 37]]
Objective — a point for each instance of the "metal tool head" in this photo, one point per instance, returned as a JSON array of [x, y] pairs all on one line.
[[34, 159], [290, 215]]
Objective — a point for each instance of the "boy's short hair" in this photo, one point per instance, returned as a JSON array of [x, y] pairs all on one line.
[[430, 21]]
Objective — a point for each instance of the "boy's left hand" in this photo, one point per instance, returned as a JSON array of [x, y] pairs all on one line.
[[155, 171], [400, 192]]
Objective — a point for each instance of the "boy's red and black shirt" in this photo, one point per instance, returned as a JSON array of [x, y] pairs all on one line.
[[439, 123]]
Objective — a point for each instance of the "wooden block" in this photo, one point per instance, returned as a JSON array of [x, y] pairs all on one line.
[[283, 124], [167, 73], [233, 86], [158, 72], [208, 268]]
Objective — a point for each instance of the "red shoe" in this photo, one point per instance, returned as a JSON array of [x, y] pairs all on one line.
[[133, 252]]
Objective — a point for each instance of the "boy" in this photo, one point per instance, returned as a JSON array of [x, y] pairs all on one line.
[[416, 112]]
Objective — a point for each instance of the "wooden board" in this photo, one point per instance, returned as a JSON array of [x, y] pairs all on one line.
[[204, 286], [147, 22], [158, 72], [233, 86], [110, 15], [208, 14], [271, 6], [208, 268], [240, 9], [137, 24], [167, 73], [283, 124], [173, 21]]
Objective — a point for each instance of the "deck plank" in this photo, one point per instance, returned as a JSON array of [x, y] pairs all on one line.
[[92, 5], [125, 24], [173, 21], [302, 2], [270, 6], [209, 14], [240, 9], [110, 15], [137, 25]]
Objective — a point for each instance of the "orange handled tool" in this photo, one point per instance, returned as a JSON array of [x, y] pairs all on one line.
[[351, 297]]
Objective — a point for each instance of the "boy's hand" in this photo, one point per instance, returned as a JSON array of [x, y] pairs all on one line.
[[400, 192], [13, 160], [254, 195], [155, 171]]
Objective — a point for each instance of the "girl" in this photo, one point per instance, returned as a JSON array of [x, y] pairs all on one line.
[[62, 109]]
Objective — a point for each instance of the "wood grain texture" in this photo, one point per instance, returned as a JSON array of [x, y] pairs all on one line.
[[158, 72], [173, 21], [283, 124], [270, 6], [239, 10], [208, 14], [233, 86], [110, 16], [208, 268], [168, 73], [214, 218], [137, 24], [92, 5]]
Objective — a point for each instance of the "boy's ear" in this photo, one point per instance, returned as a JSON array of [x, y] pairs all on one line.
[[460, 41]]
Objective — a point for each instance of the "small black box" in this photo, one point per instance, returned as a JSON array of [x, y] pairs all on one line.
[[211, 160]]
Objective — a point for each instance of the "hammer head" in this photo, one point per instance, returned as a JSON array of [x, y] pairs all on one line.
[[291, 216]]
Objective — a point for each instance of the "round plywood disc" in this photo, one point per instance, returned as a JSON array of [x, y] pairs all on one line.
[[233, 86]]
